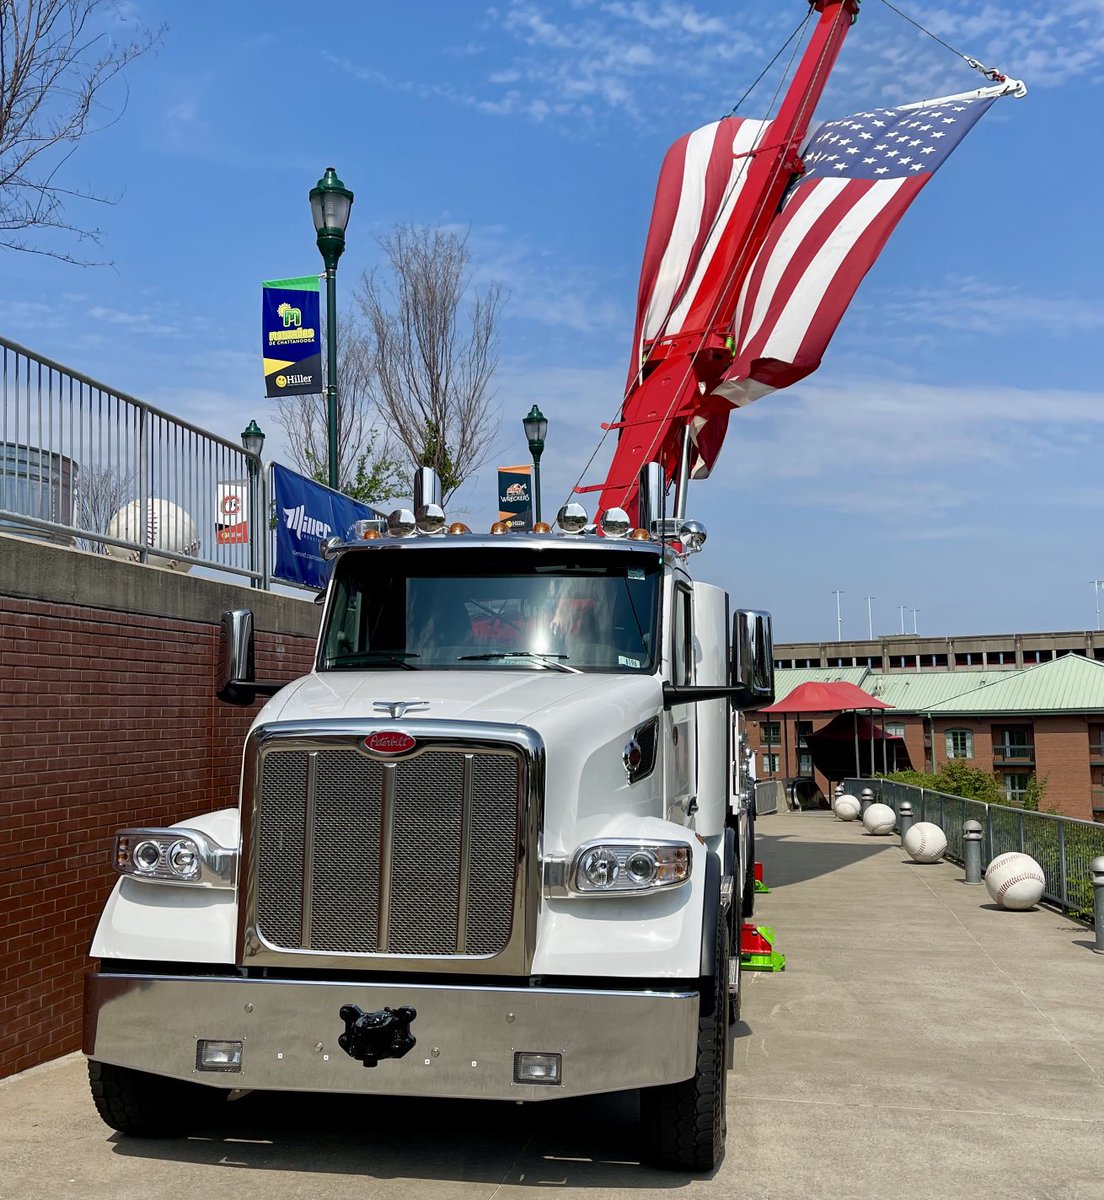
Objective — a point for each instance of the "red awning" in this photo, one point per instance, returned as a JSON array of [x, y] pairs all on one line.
[[826, 698]]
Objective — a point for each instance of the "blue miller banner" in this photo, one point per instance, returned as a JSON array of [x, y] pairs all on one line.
[[291, 337], [307, 512]]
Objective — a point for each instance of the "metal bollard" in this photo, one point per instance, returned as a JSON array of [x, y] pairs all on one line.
[[904, 818], [839, 789], [971, 850], [866, 799], [1097, 869]]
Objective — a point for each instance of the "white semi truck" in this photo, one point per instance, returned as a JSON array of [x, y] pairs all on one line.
[[497, 844]]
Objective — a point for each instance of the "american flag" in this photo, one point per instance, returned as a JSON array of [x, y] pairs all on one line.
[[861, 174]]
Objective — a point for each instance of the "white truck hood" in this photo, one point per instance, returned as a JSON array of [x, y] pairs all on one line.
[[510, 697]]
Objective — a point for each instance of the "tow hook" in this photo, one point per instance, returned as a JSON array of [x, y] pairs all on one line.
[[370, 1036]]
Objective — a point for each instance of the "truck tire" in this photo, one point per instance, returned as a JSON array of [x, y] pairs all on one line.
[[143, 1105], [683, 1124]]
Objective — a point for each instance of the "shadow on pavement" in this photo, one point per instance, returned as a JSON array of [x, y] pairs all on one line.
[[583, 1142], [788, 859]]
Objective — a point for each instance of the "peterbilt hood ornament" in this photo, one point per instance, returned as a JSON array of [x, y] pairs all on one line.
[[397, 709]]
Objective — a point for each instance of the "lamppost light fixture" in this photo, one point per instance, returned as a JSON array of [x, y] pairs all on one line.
[[253, 439], [535, 424], [330, 202], [536, 430]]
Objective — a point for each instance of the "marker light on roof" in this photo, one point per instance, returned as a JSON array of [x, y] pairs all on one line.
[[500, 527], [458, 527], [542, 527], [640, 535]]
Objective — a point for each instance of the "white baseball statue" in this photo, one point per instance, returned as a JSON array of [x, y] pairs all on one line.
[[925, 842], [158, 524], [847, 808], [879, 819], [1015, 881], [844, 796]]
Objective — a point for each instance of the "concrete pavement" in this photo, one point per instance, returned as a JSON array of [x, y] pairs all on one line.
[[919, 1041]]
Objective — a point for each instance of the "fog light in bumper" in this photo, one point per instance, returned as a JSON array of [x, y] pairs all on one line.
[[533, 1067], [218, 1056]]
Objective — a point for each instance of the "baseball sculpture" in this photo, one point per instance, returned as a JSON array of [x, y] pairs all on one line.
[[158, 524], [1015, 881], [925, 842], [847, 808], [879, 819], [844, 796]]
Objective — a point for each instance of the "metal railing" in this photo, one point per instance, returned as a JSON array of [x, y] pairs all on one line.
[[85, 465], [1006, 753], [1062, 846]]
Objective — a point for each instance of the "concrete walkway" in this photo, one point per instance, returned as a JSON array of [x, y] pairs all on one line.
[[919, 1042]]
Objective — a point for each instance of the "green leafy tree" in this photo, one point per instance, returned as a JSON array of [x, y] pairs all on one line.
[[958, 778], [1036, 793]]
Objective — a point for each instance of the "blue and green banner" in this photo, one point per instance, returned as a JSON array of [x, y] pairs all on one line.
[[291, 337]]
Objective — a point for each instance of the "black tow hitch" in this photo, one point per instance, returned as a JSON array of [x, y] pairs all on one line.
[[370, 1036]]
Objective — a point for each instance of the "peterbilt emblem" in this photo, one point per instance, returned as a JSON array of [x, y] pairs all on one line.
[[399, 708], [389, 741]]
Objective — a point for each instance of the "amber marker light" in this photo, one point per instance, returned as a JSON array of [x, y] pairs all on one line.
[[458, 527], [542, 527], [500, 527], [639, 535], [370, 535]]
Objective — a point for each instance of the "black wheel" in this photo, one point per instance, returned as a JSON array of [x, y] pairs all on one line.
[[143, 1105], [683, 1124]]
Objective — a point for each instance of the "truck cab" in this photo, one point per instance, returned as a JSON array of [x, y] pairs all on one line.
[[497, 844]]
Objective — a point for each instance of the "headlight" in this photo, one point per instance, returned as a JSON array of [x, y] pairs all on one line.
[[174, 856], [616, 867]]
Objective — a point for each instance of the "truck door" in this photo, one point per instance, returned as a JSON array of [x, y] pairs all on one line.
[[680, 759]]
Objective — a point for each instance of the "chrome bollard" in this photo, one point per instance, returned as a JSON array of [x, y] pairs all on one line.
[[1097, 869], [904, 818], [839, 789], [866, 799], [971, 850]]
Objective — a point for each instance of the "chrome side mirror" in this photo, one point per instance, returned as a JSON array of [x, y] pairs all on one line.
[[236, 663], [752, 668]]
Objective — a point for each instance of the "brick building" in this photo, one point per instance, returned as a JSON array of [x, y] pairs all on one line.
[[1045, 720]]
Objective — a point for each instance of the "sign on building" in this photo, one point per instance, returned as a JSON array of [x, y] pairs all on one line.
[[232, 513]]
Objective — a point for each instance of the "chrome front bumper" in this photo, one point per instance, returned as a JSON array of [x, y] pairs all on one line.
[[466, 1036]]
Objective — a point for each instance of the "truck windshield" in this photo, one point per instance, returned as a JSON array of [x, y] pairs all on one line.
[[468, 609]]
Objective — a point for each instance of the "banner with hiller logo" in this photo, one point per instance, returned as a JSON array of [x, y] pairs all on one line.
[[306, 512], [291, 337]]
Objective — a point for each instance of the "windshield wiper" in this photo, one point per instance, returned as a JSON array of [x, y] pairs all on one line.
[[548, 660], [398, 657]]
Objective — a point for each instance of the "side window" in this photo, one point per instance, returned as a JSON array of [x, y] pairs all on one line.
[[683, 635]]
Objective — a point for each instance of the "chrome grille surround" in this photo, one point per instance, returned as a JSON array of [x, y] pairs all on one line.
[[444, 899]]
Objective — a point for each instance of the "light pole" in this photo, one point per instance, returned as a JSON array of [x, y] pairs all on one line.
[[536, 430], [870, 616], [1096, 588], [839, 619], [914, 629], [330, 202], [901, 610], [252, 440]]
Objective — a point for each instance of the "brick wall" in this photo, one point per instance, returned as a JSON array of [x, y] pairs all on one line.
[[107, 718], [1062, 759]]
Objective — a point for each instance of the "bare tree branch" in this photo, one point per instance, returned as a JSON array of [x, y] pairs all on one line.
[[434, 358], [56, 60], [368, 469], [101, 492]]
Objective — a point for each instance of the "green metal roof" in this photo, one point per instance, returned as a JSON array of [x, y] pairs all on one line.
[[916, 691], [787, 678], [1071, 683]]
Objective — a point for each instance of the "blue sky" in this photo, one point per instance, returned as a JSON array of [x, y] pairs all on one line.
[[945, 456]]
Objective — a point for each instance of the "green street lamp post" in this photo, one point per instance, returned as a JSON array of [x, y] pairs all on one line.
[[330, 203], [536, 430], [252, 440]]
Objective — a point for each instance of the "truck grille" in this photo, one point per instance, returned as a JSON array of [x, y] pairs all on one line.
[[359, 856]]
